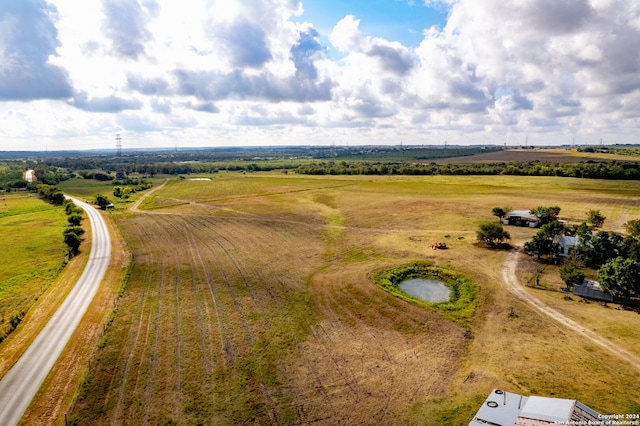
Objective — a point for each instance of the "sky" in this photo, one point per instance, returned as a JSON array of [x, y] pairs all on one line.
[[196, 73]]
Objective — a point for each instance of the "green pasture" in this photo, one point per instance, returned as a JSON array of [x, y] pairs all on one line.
[[86, 188], [33, 253]]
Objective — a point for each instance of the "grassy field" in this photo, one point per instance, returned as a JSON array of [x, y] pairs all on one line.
[[555, 155], [251, 302], [33, 254]]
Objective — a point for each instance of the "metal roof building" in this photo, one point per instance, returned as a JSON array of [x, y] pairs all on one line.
[[522, 218], [566, 244], [505, 409]]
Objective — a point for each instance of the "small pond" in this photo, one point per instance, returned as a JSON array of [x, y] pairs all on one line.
[[428, 290]]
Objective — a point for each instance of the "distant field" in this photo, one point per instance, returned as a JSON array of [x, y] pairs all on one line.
[[555, 155], [33, 252], [250, 302], [86, 188]]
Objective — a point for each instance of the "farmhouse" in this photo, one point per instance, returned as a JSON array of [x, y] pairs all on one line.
[[566, 244], [503, 408], [522, 218]]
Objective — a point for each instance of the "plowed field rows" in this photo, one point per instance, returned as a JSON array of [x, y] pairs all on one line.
[[250, 302]]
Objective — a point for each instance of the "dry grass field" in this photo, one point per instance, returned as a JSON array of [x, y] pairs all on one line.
[[555, 155], [250, 302]]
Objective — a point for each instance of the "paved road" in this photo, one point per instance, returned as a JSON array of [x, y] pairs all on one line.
[[515, 287], [29, 176], [20, 384]]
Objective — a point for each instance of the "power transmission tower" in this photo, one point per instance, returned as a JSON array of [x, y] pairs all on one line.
[[119, 144]]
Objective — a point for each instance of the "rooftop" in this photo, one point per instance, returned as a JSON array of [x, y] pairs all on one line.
[[503, 408], [525, 214], [566, 240]]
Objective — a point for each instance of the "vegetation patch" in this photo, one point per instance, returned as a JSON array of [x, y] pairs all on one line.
[[33, 255], [464, 291]]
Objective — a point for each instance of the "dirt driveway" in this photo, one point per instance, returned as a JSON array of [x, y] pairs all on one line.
[[512, 284]]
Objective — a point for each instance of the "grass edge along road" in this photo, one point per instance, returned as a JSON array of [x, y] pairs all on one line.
[[22, 382]]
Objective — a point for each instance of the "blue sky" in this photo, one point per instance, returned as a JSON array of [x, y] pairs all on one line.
[[394, 20], [164, 73]]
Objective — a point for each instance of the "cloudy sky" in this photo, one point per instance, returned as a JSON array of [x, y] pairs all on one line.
[[170, 73]]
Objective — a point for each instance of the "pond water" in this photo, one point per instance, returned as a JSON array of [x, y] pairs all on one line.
[[428, 290]]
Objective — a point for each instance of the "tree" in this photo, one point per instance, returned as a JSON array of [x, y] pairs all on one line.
[[603, 246], [546, 214], [69, 206], [620, 278], [122, 191], [72, 240], [102, 201], [52, 193], [553, 229], [571, 275], [542, 243], [126, 192], [582, 229], [500, 212], [633, 228], [630, 248], [74, 219], [491, 233], [595, 218], [78, 230], [57, 197]]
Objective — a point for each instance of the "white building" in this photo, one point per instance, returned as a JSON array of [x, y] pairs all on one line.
[[505, 409], [566, 244]]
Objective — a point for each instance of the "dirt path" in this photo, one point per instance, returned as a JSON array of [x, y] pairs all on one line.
[[136, 206], [515, 287]]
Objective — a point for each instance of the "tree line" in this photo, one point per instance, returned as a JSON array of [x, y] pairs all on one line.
[[593, 170], [74, 231], [12, 173]]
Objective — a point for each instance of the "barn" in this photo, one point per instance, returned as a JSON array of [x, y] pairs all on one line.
[[592, 290], [522, 218]]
